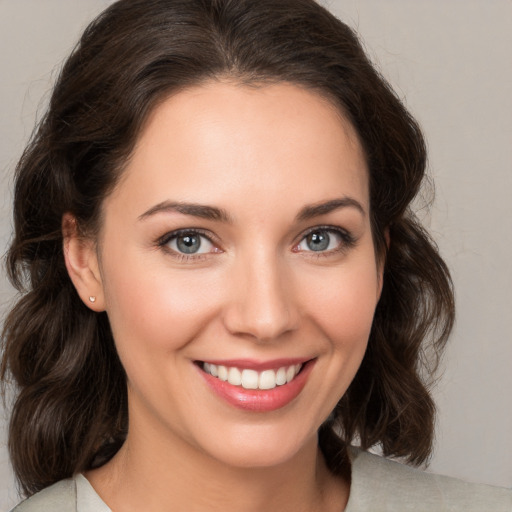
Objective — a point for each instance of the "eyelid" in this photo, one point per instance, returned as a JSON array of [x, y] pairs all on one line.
[[164, 240], [349, 240]]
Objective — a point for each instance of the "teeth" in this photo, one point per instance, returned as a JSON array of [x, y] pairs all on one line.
[[267, 379], [281, 376], [234, 376], [251, 379], [290, 373], [222, 372]]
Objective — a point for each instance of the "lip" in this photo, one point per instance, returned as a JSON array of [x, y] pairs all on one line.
[[254, 399], [259, 366]]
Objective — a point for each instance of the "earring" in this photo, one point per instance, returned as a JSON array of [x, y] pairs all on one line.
[[92, 299]]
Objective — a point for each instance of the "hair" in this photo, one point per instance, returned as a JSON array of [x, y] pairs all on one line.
[[70, 412]]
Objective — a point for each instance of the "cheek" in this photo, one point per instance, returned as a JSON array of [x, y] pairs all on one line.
[[160, 311], [345, 303]]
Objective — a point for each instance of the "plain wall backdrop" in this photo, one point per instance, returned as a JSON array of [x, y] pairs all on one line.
[[451, 62]]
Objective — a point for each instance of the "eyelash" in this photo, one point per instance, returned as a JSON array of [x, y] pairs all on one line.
[[164, 241], [347, 242]]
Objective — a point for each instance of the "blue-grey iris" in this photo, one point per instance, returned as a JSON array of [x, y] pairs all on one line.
[[318, 241], [188, 244]]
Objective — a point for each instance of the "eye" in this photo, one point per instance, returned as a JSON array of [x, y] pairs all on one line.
[[324, 240], [189, 243]]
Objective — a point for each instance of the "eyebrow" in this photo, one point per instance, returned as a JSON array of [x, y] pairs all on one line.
[[221, 215], [315, 210], [194, 209]]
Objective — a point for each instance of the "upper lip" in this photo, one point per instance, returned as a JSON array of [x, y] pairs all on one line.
[[253, 364]]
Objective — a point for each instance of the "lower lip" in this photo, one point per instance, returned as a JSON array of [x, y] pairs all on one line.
[[259, 400]]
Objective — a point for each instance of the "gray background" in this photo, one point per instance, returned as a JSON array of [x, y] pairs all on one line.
[[451, 61]]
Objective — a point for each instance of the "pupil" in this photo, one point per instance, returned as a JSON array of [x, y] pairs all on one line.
[[188, 244], [318, 241]]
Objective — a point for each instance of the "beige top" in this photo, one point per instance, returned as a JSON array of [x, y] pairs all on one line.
[[377, 485]]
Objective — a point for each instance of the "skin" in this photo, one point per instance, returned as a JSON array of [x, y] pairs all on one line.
[[261, 154]]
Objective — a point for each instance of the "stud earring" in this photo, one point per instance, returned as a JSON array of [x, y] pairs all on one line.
[[92, 299]]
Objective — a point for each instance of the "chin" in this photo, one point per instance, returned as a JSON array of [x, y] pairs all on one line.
[[260, 447]]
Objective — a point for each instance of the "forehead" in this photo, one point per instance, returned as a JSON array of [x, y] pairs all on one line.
[[221, 141]]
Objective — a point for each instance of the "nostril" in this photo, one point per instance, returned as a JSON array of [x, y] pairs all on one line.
[[260, 325], [262, 304]]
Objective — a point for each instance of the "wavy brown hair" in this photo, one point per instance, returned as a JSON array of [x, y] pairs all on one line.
[[70, 410]]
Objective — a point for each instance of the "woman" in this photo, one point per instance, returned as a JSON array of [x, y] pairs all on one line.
[[225, 285]]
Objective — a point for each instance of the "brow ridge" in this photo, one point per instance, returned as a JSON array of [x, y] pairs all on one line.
[[316, 210], [193, 209], [220, 215]]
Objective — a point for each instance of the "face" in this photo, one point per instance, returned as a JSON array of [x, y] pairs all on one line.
[[238, 270]]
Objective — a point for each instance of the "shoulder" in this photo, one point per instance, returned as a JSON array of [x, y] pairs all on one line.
[[59, 497], [394, 486]]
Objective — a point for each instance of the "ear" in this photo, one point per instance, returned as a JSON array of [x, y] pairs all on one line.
[[382, 264], [82, 264]]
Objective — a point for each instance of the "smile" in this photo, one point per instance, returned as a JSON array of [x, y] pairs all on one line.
[[255, 386], [252, 379]]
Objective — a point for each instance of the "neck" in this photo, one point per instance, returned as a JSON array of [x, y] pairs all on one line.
[[151, 475]]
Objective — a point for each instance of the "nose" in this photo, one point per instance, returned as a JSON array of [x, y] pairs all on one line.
[[262, 305]]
